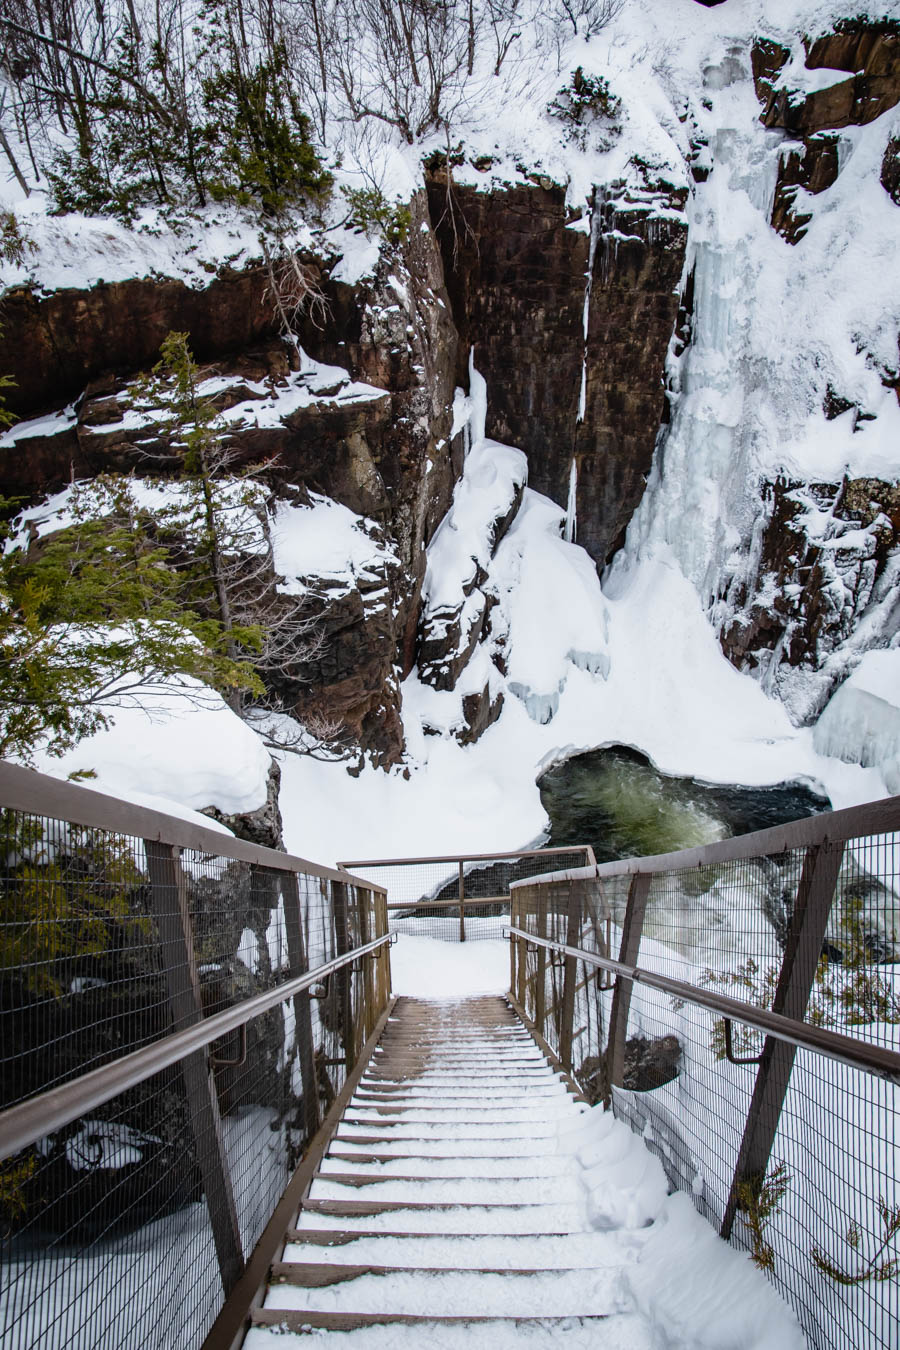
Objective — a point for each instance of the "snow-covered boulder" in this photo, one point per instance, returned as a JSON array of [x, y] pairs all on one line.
[[551, 601]]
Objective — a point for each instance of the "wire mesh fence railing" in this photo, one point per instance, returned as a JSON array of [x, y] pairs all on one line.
[[459, 898], [739, 1006], [179, 1009]]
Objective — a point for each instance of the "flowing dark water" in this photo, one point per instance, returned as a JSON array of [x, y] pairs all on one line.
[[615, 800]]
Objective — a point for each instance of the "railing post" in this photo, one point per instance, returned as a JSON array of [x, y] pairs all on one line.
[[632, 928], [384, 956], [521, 990], [462, 903], [513, 942], [344, 975], [570, 977], [540, 983], [802, 953], [369, 1017], [299, 965], [169, 901]]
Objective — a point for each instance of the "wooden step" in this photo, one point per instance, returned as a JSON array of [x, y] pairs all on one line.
[[438, 1070], [360, 1209], [367, 1179], [339, 1237], [319, 1275], [304, 1321], [462, 1159]]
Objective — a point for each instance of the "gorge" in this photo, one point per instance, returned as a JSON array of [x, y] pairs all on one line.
[[616, 421]]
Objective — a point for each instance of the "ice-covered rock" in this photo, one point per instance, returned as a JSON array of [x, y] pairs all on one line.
[[550, 602], [502, 582], [861, 723], [455, 602]]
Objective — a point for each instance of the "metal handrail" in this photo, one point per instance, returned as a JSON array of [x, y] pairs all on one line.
[[873, 1059], [473, 857], [39, 794], [21, 1125]]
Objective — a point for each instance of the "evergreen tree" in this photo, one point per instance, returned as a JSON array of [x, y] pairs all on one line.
[[92, 616], [217, 523], [265, 155]]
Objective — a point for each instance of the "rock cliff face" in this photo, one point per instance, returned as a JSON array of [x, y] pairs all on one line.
[[829, 555], [870, 53], [569, 318], [570, 321], [386, 456], [545, 300]]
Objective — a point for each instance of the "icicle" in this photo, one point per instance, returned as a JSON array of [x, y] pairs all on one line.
[[571, 508], [586, 314], [478, 395]]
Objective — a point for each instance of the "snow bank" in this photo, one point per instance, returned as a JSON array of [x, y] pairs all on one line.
[[463, 542], [670, 693], [624, 1184], [861, 723], [423, 967], [698, 1292], [693, 1289], [80, 251], [550, 597], [324, 540], [181, 748]]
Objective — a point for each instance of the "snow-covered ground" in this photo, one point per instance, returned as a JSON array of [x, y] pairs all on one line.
[[649, 673]]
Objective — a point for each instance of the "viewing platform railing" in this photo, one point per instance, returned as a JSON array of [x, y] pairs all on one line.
[[179, 1009], [183, 1013], [745, 1020], [460, 897]]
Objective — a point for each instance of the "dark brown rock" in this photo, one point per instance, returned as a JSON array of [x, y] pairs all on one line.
[[870, 51], [57, 346], [805, 600], [515, 274], [767, 58], [346, 684], [648, 1064], [480, 711], [890, 169], [388, 458], [262, 826], [853, 102], [815, 169], [448, 637], [867, 45], [54, 345]]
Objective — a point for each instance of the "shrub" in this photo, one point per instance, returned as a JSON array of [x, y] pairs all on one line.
[[587, 103], [758, 1200], [879, 1266], [371, 212]]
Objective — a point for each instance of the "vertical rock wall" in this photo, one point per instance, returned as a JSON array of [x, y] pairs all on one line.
[[517, 265]]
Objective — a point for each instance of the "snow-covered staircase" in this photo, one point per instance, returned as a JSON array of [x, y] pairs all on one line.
[[443, 1199]]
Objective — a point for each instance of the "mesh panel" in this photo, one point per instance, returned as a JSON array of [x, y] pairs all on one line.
[[424, 895], [823, 1217], [122, 1227]]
